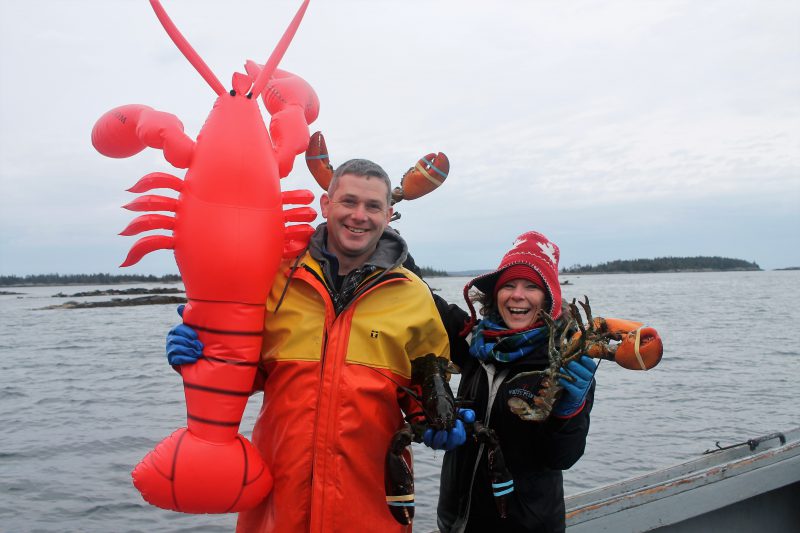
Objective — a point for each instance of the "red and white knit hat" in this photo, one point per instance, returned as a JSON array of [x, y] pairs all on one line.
[[531, 250]]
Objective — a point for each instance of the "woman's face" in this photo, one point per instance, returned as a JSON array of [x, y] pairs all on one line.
[[518, 302]]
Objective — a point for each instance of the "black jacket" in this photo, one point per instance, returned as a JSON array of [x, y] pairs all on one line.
[[535, 453]]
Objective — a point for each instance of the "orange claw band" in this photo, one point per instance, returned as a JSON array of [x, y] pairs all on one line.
[[428, 174], [317, 160], [639, 348]]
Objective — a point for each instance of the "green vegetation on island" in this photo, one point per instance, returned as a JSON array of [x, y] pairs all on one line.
[[665, 264], [83, 279], [428, 272], [659, 264]]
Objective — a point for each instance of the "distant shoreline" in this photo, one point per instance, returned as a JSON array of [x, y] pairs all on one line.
[[92, 280], [681, 271]]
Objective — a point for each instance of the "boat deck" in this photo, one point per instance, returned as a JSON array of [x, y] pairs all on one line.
[[753, 486]]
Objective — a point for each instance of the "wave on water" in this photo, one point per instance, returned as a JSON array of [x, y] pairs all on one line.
[[87, 393]]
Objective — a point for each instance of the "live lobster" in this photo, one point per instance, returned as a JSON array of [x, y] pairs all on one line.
[[229, 237], [630, 344], [437, 411]]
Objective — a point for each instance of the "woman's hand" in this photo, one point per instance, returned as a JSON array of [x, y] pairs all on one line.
[[575, 391]]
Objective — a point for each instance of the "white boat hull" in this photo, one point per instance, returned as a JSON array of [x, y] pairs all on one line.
[[729, 490]]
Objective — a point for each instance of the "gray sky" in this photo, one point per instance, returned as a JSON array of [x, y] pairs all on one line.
[[620, 129]]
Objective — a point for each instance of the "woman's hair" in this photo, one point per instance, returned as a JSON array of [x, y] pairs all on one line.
[[485, 300]]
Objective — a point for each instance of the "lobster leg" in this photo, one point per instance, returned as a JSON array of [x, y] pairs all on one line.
[[296, 237]]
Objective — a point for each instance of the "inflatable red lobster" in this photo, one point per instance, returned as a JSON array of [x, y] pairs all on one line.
[[229, 236]]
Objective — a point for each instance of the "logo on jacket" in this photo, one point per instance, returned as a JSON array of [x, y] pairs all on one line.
[[521, 392], [373, 334]]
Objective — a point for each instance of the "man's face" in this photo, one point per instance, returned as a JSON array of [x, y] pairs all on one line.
[[357, 214]]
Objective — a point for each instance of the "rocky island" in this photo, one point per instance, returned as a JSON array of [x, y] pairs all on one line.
[[158, 299], [665, 264], [157, 296]]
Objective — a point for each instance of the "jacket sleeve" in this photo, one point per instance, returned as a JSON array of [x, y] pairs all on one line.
[[454, 318], [431, 336], [567, 437]]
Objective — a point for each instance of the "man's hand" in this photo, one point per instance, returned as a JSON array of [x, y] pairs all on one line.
[[574, 395], [450, 440], [183, 347]]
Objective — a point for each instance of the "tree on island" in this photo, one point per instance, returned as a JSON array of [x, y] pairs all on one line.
[[84, 279], [428, 272], [109, 279], [664, 264]]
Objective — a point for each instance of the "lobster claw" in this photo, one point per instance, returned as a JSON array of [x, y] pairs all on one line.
[[422, 178], [399, 476], [640, 347], [430, 373], [499, 475], [317, 160]]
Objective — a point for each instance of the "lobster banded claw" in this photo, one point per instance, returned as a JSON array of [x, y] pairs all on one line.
[[428, 174], [399, 476], [317, 160]]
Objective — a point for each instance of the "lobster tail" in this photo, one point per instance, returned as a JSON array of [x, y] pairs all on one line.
[[169, 476]]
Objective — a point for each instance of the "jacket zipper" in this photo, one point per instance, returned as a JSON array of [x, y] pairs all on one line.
[[376, 282], [494, 380]]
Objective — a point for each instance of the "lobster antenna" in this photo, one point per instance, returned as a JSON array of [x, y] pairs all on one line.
[[186, 49], [280, 49]]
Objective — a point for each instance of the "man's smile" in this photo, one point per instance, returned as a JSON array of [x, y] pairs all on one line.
[[356, 230]]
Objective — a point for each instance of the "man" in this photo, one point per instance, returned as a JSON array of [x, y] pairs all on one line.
[[344, 325]]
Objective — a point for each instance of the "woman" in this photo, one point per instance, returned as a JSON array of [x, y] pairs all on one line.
[[510, 339]]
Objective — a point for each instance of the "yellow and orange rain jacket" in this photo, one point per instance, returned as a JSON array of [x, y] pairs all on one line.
[[331, 400]]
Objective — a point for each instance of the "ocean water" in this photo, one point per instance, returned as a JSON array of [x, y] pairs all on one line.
[[86, 393]]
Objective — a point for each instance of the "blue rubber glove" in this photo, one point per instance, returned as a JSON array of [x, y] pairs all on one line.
[[450, 440], [575, 392], [183, 347]]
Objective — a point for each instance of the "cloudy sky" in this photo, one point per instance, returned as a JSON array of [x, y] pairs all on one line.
[[620, 129]]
